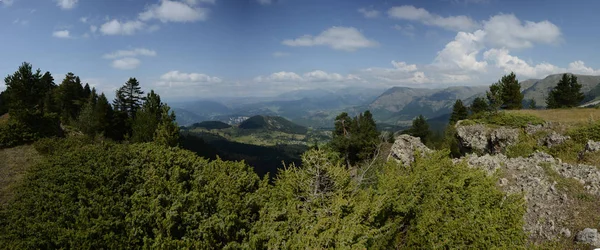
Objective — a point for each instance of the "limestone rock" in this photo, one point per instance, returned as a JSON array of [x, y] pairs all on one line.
[[592, 146], [501, 138], [554, 139], [404, 149], [472, 138], [589, 236]]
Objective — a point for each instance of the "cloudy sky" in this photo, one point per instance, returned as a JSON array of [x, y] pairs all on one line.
[[202, 48]]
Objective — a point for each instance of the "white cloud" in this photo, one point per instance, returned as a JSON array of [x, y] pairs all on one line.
[[460, 55], [83, 19], [509, 63], [93, 28], [66, 4], [401, 73], [126, 63], [508, 31], [179, 79], [21, 22], [264, 2], [196, 2], [7, 3], [61, 34], [130, 53], [280, 54], [578, 67], [411, 13], [322, 76], [279, 77], [338, 38], [116, 27], [368, 13], [172, 11], [407, 30]]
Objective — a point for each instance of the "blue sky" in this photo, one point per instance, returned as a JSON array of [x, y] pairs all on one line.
[[208, 48]]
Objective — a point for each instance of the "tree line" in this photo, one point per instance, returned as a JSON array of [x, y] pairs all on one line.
[[39, 108]]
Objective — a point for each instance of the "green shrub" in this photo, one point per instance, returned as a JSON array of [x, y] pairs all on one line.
[[587, 132], [29, 129], [111, 196], [431, 204]]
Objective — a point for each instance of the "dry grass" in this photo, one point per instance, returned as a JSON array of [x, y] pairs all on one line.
[[568, 116], [13, 164]]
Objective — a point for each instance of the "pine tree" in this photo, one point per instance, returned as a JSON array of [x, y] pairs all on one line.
[[356, 139], [459, 112], [70, 97], [167, 132], [147, 119], [479, 105], [25, 91], [85, 94], [532, 104], [506, 93], [511, 95], [129, 97], [88, 122], [3, 103], [420, 128], [566, 94], [103, 114]]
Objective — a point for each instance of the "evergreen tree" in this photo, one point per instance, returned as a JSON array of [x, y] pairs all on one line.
[[459, 112], [420, 128], [566, 94], [532, 104], [479, 105], [104, 114], [129, 97], [167, 132], [356, 139], [506, 93], [88, 122], [85, 94], [25, 91], [147, 119], [70, 97], [511, 95]]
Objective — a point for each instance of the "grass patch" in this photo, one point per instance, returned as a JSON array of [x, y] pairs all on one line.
[[569, 116], [582, 134], [568, 151], [509, 119], [13, 165], [526, 146]]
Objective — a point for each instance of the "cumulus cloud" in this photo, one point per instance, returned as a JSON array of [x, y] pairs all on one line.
[[338, 38], [173, 11], [368, 13], [130, 53], [508, 31], [411, 13], [461, 53], [400, 73], [61, 34], [316, 76], [116, 27], [93, 28], [282, 76], [66, 4], [179, 79], [126, 63], [578, 67]]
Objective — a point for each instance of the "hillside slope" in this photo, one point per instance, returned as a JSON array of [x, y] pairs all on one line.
[[538, 89], [272, 123]]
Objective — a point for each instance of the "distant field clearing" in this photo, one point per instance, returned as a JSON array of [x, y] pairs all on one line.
[[575, 115]]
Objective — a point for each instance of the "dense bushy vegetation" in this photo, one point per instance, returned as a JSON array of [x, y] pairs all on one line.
[[107, 195]]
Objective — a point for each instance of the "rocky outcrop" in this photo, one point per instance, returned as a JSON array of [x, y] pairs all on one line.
[[548, 207], [592, 146], [480, 139], [404, 148], [589, 236], [553, 139]]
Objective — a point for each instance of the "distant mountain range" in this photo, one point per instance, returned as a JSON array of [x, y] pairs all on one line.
[[392, 108]]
